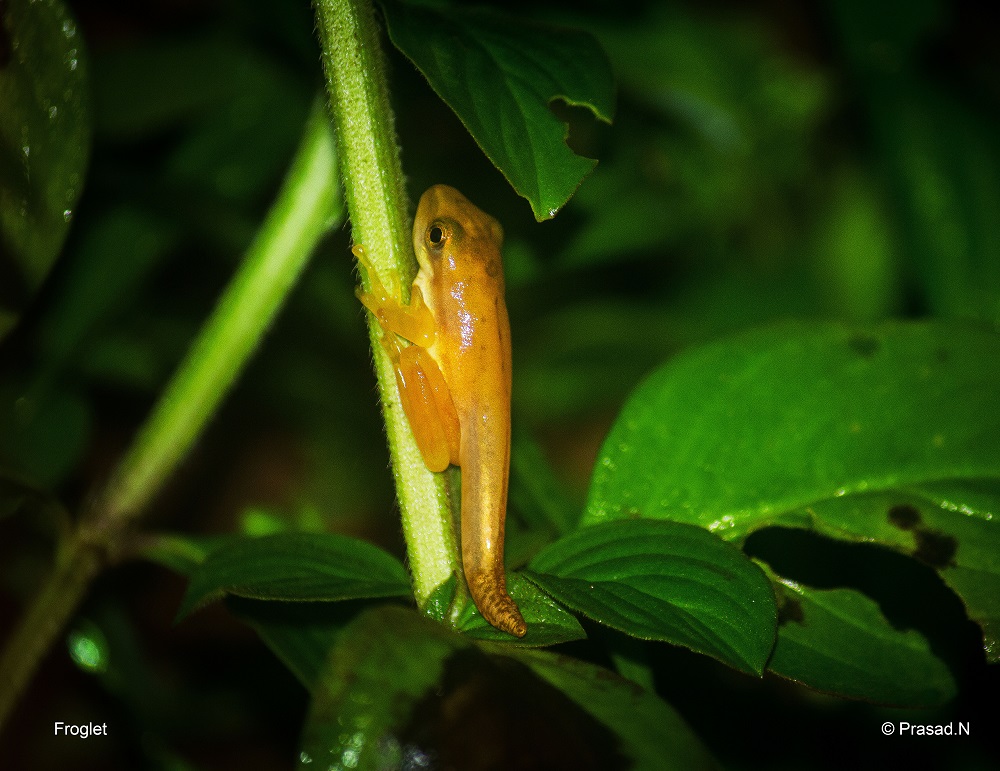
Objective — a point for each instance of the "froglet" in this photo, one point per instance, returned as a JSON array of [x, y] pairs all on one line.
[[454, 378]]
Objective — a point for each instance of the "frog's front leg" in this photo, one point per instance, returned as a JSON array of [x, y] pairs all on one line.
[[413, 322], [423, 392]]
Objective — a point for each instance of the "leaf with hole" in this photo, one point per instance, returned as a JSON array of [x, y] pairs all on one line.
[[838, 641], [888, 434], [500, 74]]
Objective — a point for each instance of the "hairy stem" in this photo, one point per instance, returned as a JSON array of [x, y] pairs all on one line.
[[376, 200]]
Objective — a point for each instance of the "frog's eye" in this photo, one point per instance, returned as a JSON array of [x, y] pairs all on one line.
[[437, 234]]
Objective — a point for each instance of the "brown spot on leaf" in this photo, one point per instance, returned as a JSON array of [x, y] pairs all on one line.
[[932, 547], [904, 516], [865, 345], [935, 549], [791, 611]]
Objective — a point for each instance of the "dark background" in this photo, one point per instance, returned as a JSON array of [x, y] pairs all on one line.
[[815, 209]]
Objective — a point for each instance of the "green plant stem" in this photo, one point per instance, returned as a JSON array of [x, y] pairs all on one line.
[[376, 200], [306, 208], [45, 618], [302, 214]]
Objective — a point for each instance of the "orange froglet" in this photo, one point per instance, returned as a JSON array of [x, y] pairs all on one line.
[[454, 378]]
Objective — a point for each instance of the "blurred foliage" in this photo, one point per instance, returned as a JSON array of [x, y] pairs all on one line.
[[835, 161], [44, 144]]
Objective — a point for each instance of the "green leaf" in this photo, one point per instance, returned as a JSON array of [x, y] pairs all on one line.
[[948, 525], [439, 605], [385, 661], [44, 143], [401, 691], [652, 734], [665, 581], [548, 622], [889, 433], [296, 567], [838, 641], [500, 75], [300, 634], [183, 554], [631, 659]]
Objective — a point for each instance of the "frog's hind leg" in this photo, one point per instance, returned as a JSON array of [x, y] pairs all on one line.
[[428, 406], [423, 392], [413, 322]]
